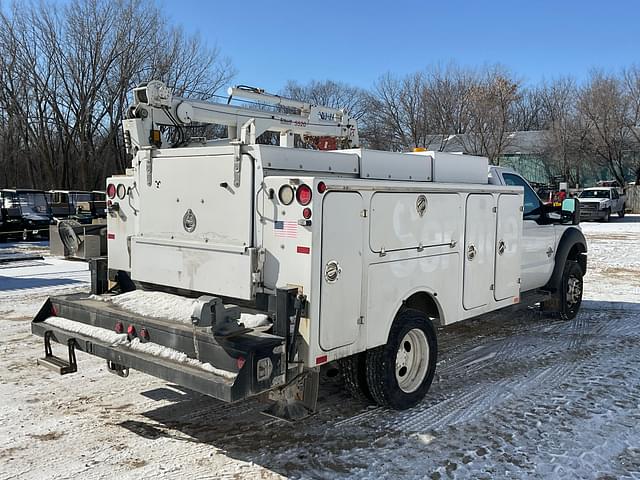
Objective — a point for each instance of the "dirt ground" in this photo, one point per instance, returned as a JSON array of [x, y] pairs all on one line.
[[517, 395]]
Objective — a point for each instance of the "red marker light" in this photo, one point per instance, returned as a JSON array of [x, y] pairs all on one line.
[[240, 361], [111, 236], [144, 333], [301, 249], [119, 328], [111, 190], [306, 213], [303, 194], [322, 187], [321, 359]]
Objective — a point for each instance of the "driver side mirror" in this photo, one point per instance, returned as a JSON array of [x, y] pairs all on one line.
[[571, 210]]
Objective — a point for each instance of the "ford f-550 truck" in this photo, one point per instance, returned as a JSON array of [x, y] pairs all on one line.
[[239, 268]]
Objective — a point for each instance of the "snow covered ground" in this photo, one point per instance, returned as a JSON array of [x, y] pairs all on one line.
[[516, 395]]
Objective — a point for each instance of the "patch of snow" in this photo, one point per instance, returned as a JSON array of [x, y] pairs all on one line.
[[24, 287], [120, 340], [102, 334], [156, 305], [169, 307], [254, 320]]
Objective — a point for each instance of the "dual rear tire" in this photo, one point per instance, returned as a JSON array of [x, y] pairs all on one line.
[[399, 373]]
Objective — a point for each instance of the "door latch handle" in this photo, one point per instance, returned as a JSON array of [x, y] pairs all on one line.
[[501, 247], [549, 252], [471, 252]]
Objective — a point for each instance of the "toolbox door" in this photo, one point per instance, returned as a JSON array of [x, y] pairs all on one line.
[[340, 269], [480, 231], [508, 238]]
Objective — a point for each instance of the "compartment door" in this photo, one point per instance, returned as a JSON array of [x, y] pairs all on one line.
[[508, 239], [340, 269], [480, 230]]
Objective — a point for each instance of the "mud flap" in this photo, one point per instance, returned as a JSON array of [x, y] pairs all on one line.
[[298, 399]]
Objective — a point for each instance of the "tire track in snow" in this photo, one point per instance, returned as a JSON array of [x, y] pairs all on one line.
[[475, 400]]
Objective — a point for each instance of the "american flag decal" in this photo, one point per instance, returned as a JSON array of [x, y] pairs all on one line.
[[285, 229]]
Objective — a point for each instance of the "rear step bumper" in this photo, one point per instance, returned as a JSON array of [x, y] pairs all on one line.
[[255, 361]]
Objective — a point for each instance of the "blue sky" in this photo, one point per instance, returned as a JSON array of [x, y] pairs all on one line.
[[356, 42]]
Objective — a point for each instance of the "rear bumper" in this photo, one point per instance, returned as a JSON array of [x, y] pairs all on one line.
[[250, 363]]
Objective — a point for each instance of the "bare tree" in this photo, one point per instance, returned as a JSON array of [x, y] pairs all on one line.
[[448, 97], [66, 72], [631, 85], [329, 94], [604, 112], [491, 101], [564, 135]]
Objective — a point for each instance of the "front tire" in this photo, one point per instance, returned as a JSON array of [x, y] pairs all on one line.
[[572, 283], [400, 373], [607, 215], [568, 297]]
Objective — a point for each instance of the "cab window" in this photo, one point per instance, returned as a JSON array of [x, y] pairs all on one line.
[[614, 194], [531, 201]]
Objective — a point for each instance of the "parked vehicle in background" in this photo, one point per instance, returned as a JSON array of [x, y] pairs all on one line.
[[599, 203], [99, 204], [82, 206], [25, 213]]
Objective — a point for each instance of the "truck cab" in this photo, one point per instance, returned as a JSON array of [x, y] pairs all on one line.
[[549, 238]]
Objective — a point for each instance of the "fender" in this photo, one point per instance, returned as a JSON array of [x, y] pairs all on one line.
[[572, 237]]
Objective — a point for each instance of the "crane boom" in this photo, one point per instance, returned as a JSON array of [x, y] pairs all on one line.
[[154, 106]]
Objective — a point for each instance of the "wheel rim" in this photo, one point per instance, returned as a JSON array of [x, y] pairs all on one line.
[[574, 291], [412, 360]]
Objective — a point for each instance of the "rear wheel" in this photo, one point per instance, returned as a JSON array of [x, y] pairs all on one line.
[[400, 373], [354, 373]]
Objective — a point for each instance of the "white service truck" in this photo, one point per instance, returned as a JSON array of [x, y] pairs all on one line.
[[599, 203], [352, 255]]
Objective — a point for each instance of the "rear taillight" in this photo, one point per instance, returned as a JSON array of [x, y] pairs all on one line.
[[119, 328], [306, 213], [131, 331], [303, 194], [121, 191], [111, 190], [322, 187]]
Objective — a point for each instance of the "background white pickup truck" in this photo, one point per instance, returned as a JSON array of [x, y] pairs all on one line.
[[599, 203]]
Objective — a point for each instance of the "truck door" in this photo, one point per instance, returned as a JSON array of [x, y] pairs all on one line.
[[538, 239], [340, 269], [480, 231], [615, 201], [508, 233]]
